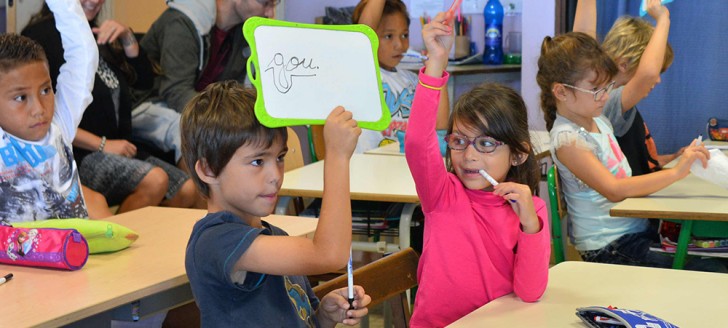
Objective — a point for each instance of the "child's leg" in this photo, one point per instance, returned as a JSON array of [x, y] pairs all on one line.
[[96, 204], [127, 182], [181, 191], [149, 192], [631, 249]]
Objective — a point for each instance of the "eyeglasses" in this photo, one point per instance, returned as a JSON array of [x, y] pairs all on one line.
[[598, 94], [483, 144]]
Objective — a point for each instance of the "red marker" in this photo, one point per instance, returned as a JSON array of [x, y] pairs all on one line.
[[454, 8]]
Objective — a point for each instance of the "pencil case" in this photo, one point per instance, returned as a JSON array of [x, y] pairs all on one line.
[[609, 317], [718, 129], [43, 247], [101, 236]]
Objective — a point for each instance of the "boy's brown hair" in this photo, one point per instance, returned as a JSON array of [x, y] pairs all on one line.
[[17, 50], [218, 121], [390, 7], [627, 39]]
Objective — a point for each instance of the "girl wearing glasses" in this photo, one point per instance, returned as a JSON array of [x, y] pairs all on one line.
[[575, 77], [482, 240]]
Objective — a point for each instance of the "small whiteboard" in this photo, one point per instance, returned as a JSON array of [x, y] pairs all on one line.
[[303, 71]]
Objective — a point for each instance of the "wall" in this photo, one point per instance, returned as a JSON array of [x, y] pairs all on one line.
[[538, 22], [137, 14]]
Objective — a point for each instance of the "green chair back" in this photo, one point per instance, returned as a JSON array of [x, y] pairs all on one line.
[[557, 245]]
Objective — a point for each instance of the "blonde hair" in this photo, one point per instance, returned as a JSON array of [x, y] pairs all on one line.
[[627, 40], [568, 58]]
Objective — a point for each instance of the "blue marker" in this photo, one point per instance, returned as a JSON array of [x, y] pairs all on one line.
[[491, 180], [350, 278], [415, 55]]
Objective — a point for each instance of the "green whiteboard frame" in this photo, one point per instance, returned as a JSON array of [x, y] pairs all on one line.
[[260, 111]]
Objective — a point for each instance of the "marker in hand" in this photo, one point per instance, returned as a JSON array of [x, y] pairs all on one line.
[[700, 140], [491, 180], [6, 278], [350, 278], [415, 55], [454, 8]]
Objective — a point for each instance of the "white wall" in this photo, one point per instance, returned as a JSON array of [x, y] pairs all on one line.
[[539, 17]]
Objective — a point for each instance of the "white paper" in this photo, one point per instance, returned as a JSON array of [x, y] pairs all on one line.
[[717, 171]]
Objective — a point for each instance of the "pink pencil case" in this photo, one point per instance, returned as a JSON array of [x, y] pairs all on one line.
[[43, 247]]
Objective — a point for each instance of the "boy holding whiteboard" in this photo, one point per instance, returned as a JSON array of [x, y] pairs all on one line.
[[244, 271]]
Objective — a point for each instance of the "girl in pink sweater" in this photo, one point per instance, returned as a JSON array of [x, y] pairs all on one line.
[[481, 240]]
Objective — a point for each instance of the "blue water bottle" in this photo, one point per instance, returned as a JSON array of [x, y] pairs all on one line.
[[493, 14]]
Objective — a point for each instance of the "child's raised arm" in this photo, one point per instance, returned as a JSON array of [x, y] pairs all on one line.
[[587, 167], [585, 19], [438, 38], [329, 249], [76, 77], [372, 13], [651, 63]]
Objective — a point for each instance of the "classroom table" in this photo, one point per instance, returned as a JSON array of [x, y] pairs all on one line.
[[683, 298], [372, 178], [148, 276], [540, 140], [685, 201]]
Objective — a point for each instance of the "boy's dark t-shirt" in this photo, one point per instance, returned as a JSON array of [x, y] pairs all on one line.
[[261, 300], [634, 147]]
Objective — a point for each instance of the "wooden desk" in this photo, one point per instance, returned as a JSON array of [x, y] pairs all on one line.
[[151, 270], [389, 149], [684, 298], [686, 200], [372, 178]]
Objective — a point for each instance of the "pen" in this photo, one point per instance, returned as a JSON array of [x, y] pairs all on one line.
[[6, 278], [700, 139], [418, 56], [491, 180], [350, 278]]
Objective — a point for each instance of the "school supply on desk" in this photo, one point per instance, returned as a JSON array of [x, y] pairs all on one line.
[[608, 317], [717, 170], [43, 247], [102, 236], [643, 6], [718, 129], [6, 278], [303, 71]]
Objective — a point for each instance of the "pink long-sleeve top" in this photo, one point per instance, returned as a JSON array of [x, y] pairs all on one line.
[[474, 250]]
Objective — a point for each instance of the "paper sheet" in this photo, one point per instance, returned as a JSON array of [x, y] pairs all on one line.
[[717, 171]]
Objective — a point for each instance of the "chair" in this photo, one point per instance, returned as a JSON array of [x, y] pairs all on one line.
[[316, 142], [293, 160], [557, 212], [386, 279]]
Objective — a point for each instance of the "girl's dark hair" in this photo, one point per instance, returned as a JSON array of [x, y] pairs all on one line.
[[499, 111], [390, 7], [568, 58], [112, 53], [218, 121]]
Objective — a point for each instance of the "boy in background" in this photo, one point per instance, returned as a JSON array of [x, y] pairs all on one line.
[[389, 18], [244, 271], [642, 54], [38, 176]]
